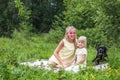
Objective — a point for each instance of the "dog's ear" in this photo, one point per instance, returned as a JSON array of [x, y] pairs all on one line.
[[105, 48], [97, 49], [105, 51]]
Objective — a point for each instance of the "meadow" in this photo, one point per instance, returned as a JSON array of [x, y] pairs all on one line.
[[14, 51]]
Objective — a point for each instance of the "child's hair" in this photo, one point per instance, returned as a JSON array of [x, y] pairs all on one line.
[[84, 39], [68, 29]]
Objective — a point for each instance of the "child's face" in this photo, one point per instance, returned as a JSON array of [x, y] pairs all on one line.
[[72, 34], [80, 44]]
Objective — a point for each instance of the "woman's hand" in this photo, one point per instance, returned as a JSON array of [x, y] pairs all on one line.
[[75, 64], [66, 64]]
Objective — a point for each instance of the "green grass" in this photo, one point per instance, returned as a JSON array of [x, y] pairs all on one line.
[[13, 51]]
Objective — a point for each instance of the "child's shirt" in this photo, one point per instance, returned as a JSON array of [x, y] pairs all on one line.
[[79, 53]]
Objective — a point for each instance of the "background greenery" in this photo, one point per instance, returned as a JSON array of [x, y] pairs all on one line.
[[98, 20], [31, 29]]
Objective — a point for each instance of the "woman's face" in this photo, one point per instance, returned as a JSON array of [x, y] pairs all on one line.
[[72, 34]]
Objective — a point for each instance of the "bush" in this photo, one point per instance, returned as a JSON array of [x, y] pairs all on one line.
[[95, 37], [55, 36]]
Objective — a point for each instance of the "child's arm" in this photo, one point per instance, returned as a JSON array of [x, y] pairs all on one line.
[[82, 60]]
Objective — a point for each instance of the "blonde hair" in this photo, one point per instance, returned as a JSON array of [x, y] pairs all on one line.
[[68, 29], [84, 39]]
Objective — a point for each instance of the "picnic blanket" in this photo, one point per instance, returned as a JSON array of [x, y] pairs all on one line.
[[43, 65], [37, 63]]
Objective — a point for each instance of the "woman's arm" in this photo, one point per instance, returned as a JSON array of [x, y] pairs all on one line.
[[57, 50]]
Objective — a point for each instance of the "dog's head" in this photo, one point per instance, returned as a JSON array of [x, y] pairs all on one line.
[[101, 54], [101, 51]]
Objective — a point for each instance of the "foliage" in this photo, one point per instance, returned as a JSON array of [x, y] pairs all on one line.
[[95, 37], [22, 10], [108, 18], [32, 15], [43, 12], [15, 51], [8, 18], [103, 15], [21, 17], [77, 13], [24, 15], [99, 20], [55, 36]]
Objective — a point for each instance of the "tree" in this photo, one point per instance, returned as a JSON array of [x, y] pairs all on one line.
[[108, 19], [43, 12], [8, 17], [16, 14], [102, 16]]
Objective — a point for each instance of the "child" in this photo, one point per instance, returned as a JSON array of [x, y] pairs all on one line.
[[81, 52], [64, 54], [81, 55]]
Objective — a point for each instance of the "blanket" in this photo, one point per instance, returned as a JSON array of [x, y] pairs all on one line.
[[43, 65]]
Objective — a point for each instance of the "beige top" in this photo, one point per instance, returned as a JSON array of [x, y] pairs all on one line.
[[66, 53]]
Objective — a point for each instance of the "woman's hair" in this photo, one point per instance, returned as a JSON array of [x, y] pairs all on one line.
[[84, 39], [68, 29]]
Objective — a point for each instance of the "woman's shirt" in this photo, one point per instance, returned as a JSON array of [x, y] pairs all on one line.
[[66, 53]]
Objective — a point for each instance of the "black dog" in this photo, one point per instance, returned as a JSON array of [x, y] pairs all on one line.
[[101, 54]]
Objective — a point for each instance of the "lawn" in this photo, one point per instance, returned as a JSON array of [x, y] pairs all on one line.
[[14, 51]]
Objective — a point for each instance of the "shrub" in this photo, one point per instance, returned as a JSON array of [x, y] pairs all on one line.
[[55, 35], [95, 37]]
